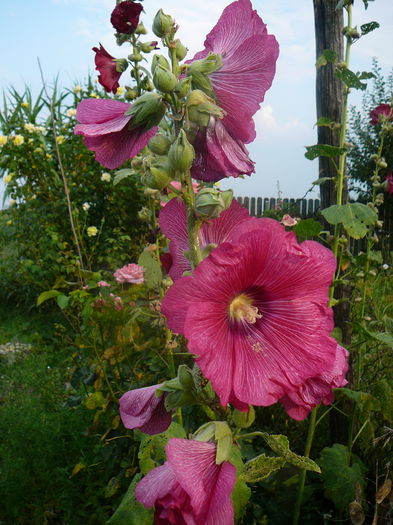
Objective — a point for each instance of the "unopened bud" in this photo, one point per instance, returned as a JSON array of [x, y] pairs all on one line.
[[220, 432], [181, 50], [131, 94], [147, 111], [209, 203], [162, 24], [140, 29], [200, 108], [146, 47], [147, 84], [382, 164], [144, 214], [158, 177], [181, 154], [135, 57], [200, 69], [183, 87], [159, 60], [159, 144], [374, 157], [164, 80], [121, 65]]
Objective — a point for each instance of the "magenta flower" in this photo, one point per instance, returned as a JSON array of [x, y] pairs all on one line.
[[255, 314], [131, 273], [389, 183], [142, 408], [106, 65], [381, 112], [317, 389], [189, 488], [125, 16], [249, 57], [173, 223], [107, 131]]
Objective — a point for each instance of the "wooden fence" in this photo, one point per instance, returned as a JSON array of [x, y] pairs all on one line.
[[300, 207]]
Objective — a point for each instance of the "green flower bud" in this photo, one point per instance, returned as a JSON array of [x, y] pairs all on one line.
[[183, 87], [131, 94], [159, 144], [186, 377], [147, 84], [164, 80], [157, 178], [135, 57], [200, 69], [162, 24], [121, 65], [147, 111], [159, 60], [209, 203], [144, 214], [221, 433], [140, 29], [146, 47], [244, 419], [181, 50], [200, 107], [181, 154]]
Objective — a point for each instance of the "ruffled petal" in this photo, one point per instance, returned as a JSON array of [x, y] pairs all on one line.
[[155, 485]]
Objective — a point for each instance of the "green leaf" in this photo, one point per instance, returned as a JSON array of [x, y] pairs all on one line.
[[322, 180], [384, 392], [244, 419], [365, 2], [44, 296], [323, 150], [280, 445], [327, 56], [130, 511], [350, 79], [365, 401], [62, 301], [308, 228], [122, 174], [152, 274], [241, 493], [340, 478], [324, 121], [152, 448], [261, 467], [355, 217]]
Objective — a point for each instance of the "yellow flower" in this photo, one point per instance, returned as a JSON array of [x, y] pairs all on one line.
[[71, 112], [48, 156], [60, 139], [77, 89], [9, 222], [106, 177], [25, 104], [3, 140], [29, 127], [120, 90], [92, 231], [18, 140], [7, 179], [38, 150]]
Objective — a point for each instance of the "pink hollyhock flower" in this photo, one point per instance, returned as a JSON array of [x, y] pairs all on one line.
[[177, 185], [142, 408], [383, 111], [317, 389], [107, 66], [131, 273], [189, 488], [107, 130], [249, 57], [389, 183], [255, 314], [125, 16], [287, 220], [102, 284], [173, 223]]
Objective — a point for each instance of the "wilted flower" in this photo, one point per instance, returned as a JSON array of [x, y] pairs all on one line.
[[287, 220], [125, 16], [131, 273], [106, 177], [3, 140], [92, 231], [71, 112], [189, 487], [380, 113], [255, 314], [18, 140], [142, 408], [109, 68]]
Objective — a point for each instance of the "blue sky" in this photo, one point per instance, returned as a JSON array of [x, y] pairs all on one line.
[[62, 32]]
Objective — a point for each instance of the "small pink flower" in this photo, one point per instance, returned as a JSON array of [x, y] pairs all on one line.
[[142, 408], [102, 284], [189, 488], [380, 113], [287, 220], [117, 302], [177, 185], [131, 273]]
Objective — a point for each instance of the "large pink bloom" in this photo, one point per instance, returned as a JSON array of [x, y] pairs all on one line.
[[173, 223], [106, 131], [317, 389], [249, 57], [142, 408], [189, 488], [255, 314], [131, 273]]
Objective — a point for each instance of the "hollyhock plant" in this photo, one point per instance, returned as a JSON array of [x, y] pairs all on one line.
[[213, 232], [125, 16], [108, 130], [131, 273], [383, 111], [142, 408], [109, 68], [255, 314], [317, 389], [189, 487], [389, 183], [245, 70]]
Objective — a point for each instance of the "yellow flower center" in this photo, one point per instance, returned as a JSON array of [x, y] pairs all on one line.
[[241, 308]]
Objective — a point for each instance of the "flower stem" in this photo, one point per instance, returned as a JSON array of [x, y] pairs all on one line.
[[302, 477]]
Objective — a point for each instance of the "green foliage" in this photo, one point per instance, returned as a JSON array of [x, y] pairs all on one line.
[[261, 467], [130, 511], [152, 269], [367, 28], [341, 471], [353, 80], [280, 445], [308, 228], [355, 217], [241, 492]]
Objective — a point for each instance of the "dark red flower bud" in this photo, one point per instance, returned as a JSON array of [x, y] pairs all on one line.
[[125, 16], [108, 68]]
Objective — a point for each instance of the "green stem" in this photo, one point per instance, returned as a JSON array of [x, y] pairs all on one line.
[[302, 478]]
